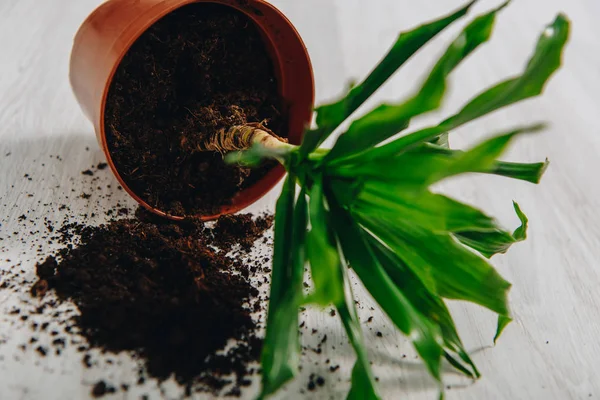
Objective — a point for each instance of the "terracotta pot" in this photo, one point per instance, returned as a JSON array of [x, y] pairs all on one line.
[[108, 33]]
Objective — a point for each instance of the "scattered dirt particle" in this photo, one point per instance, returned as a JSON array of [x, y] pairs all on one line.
[[101, 389], [240, 226]]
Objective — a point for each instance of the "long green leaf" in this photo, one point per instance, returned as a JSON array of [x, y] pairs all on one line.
[[363, 382], [530, 172], [434, 212], [281, 349], [330, 116], [323, 254], [426, 302], [418, 168], [388, 119], [407, 172], [482, 157], [457, 272], [425, 336], [545, 61]]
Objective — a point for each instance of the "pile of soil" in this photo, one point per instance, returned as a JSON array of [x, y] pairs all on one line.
[[196, 71], [159, 289]]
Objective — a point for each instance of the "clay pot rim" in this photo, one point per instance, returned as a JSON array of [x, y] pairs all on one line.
[[270, 179]]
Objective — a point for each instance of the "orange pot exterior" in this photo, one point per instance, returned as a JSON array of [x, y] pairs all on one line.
[[108, 33]]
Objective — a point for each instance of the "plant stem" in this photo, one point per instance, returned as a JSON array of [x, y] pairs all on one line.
[[242, 137], [239, 138]]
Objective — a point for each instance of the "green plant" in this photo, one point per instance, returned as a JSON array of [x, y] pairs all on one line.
[[368, 206]]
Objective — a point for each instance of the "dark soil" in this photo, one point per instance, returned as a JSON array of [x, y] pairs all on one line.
[[101, 389], [61, 320], [198, 70], [155, 288], [240, 229]]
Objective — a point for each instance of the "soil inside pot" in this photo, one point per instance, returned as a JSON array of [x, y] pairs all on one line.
[[202, 68]]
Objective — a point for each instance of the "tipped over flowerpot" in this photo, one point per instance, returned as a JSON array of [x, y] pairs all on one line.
[[367, 203], [172, 85]]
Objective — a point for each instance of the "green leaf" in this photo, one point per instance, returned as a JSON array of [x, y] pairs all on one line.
[[434, 212], [457, 272], [482, 157], [495, 242], [363, 382], [429, 304], [425, 335], [330, 116], [281, 349], [544, 62], [503, 322], [389, 119], [323, 254], [530, 172], [424, 165], [407, 172], [459, 366], [520, 233], [486, 243]]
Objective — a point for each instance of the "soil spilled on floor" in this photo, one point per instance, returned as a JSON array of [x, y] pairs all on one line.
[[160, 289]]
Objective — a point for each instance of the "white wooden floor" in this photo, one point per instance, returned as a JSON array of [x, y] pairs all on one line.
[[552, 351]]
